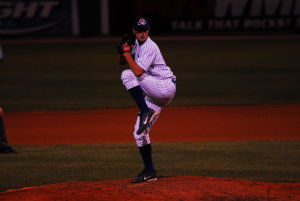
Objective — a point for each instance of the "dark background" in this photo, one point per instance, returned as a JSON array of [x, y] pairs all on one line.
[[178, 17]]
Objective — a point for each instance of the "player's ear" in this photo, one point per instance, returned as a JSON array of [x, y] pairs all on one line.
[[133, 31]]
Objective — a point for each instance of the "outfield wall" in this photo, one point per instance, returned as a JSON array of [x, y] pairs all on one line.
[[67, 18], [220, 16]]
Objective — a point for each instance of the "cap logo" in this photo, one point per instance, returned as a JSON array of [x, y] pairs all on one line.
[[142, 22]]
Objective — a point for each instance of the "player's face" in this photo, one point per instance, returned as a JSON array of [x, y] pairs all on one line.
[[141, 35]]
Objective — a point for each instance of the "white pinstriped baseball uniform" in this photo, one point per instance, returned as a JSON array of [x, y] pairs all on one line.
[[157, 82]]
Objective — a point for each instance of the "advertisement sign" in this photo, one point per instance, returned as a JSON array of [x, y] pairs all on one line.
[[35, 17], [212, 15]]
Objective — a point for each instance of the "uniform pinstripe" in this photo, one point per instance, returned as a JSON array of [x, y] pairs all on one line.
[[157, 82]]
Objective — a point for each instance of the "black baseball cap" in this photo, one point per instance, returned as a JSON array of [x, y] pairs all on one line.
[[141, 24]]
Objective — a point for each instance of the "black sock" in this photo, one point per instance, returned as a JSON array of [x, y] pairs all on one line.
[[138, 96], [146, 153]]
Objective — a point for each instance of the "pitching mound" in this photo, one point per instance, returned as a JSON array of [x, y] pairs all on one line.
[[166, 188]]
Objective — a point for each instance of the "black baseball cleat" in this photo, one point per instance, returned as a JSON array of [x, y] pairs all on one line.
[[144, 176], [145, 119]]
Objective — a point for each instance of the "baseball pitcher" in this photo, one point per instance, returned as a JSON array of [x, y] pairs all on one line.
[[151, 84]]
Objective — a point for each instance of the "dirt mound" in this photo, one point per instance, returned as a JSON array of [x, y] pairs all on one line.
[[166, 188]]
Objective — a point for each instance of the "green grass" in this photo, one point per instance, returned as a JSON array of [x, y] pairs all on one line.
[[68, 76], [273, 161]]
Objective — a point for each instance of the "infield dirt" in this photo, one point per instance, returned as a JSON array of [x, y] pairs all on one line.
[[203, 123]]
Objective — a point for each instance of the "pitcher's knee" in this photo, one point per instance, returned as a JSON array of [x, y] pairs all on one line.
[[127, 74], [128, 78]]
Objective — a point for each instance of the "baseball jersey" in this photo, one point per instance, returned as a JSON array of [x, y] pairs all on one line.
[[149, 57]]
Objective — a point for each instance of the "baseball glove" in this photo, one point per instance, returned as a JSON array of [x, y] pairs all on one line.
[[126, 43]]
